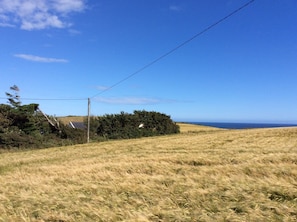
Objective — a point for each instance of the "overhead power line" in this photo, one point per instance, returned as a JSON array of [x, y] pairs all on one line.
[[175, 48], [55, 99]]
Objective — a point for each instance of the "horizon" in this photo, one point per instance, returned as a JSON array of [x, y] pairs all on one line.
[[185, 120]]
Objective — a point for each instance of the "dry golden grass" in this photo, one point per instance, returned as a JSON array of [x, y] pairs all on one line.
[[66, 119], [192, 128], [198, 175]]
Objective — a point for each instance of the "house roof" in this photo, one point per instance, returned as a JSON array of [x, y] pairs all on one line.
[[77, 125]]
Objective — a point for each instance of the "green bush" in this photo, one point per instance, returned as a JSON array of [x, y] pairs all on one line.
[[138, 124], [25, 126]]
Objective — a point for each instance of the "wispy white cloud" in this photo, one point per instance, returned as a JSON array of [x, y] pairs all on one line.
[[101, 88], [3, 24], [74, 32], [66, 6], [38, 14], [131, 100], [34, 58], [175, 8]]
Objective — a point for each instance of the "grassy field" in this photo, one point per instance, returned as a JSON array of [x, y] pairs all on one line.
[[202, 174], [66, 119]]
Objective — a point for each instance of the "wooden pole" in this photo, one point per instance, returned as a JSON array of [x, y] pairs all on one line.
[[88, 130]]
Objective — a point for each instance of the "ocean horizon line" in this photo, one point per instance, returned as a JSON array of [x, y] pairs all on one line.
[[243, 125]]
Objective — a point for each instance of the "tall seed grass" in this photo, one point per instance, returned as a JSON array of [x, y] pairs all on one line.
[[202, 174]]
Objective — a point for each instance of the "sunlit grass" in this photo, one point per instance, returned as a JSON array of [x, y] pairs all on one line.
[[202, 174], [66, 119]]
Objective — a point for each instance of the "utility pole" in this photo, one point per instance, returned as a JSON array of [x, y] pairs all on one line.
[[88, 130]]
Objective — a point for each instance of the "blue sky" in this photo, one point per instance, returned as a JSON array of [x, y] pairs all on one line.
[[61, 52]]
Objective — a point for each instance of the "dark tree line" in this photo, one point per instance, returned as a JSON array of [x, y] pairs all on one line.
[[26, 126]]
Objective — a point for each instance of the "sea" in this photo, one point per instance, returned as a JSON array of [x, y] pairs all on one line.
[[226, 125]]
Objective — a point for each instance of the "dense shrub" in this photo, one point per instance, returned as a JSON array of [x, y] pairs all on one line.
[[25, 126], [138, 124], [74, 136]]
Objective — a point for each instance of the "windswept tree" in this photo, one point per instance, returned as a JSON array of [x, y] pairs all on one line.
[[26, 126], [14, 97]]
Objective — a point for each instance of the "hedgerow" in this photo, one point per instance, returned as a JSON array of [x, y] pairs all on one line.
[[26, 126]]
